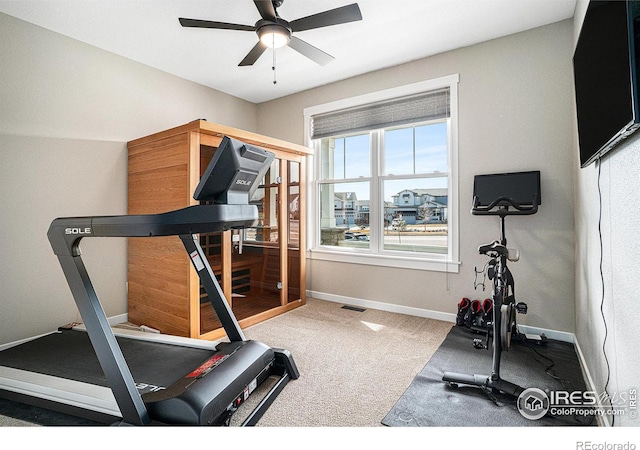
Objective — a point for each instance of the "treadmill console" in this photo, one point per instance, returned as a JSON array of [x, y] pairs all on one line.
[[234, 173]]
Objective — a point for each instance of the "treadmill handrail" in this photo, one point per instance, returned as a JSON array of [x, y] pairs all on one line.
[[66, 232]]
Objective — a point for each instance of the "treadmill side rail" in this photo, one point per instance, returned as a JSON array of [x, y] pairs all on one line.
[[288, 370]]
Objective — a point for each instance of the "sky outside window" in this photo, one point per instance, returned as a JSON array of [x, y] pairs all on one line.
[[414, 150]]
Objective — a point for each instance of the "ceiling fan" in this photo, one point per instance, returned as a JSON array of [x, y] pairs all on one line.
[[274, 32]]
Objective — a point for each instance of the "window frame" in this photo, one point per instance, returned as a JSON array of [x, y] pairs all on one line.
[[376, 255]]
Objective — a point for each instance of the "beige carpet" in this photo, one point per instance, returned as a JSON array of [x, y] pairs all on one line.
[[353, 366]]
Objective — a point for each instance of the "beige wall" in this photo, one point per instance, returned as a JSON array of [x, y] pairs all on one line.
[[515, 113], [41, 179], [67, 111], [55, 86]]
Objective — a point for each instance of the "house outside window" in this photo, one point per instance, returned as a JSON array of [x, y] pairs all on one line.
[[385, 175]]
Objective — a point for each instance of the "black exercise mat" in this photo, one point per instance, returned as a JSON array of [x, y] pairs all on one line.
[[429, 401]]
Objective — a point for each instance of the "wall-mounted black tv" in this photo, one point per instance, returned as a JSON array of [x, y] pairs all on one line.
[[605, 67]]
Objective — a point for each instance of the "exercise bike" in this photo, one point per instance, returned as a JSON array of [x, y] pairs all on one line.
[[509, 194]]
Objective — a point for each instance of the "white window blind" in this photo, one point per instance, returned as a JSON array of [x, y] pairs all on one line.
[[398, 111]]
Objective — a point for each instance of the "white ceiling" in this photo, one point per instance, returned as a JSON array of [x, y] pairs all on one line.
[[391, 32]]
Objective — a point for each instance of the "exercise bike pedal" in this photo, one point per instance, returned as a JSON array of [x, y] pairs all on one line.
[[478, 344], [521, 307]]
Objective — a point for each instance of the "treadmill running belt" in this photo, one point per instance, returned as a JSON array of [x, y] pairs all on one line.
[[69, 354]]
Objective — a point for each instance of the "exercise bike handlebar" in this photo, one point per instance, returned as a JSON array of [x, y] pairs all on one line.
[[503, 204]]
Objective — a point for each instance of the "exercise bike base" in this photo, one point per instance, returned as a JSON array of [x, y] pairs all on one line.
[[499, 384]]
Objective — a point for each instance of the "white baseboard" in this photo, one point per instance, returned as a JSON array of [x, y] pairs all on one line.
[[556, 335], [590, 385], [429, 314], [121, 318], [389, 307], [114, 320]]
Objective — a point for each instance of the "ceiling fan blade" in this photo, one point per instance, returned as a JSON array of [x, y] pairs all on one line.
[[266, 9], [253, 54], [310, 51], [197, 23], [344, 14]]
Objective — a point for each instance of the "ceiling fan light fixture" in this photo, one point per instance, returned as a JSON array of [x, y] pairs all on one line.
[[274, 36]]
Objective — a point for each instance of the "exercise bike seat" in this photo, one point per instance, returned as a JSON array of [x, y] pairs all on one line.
[[495, 247]]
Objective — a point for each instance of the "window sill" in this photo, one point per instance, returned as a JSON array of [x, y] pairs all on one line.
[[401, 262]]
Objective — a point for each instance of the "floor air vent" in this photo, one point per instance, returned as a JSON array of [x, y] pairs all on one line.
[[353, 308]]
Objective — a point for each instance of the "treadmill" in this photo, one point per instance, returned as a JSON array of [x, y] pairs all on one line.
[[137, 378]]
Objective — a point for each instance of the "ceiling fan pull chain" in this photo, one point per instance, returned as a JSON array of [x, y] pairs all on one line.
[[273, 67]]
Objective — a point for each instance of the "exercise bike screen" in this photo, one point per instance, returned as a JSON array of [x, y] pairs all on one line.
[[521, 187]]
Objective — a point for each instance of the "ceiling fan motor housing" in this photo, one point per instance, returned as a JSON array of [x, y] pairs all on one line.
[[280, 27]]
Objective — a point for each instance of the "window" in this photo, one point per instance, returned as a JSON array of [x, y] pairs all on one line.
[[384, 183]]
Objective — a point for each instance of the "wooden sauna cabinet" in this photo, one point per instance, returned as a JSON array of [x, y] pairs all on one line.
[[264, 280]]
